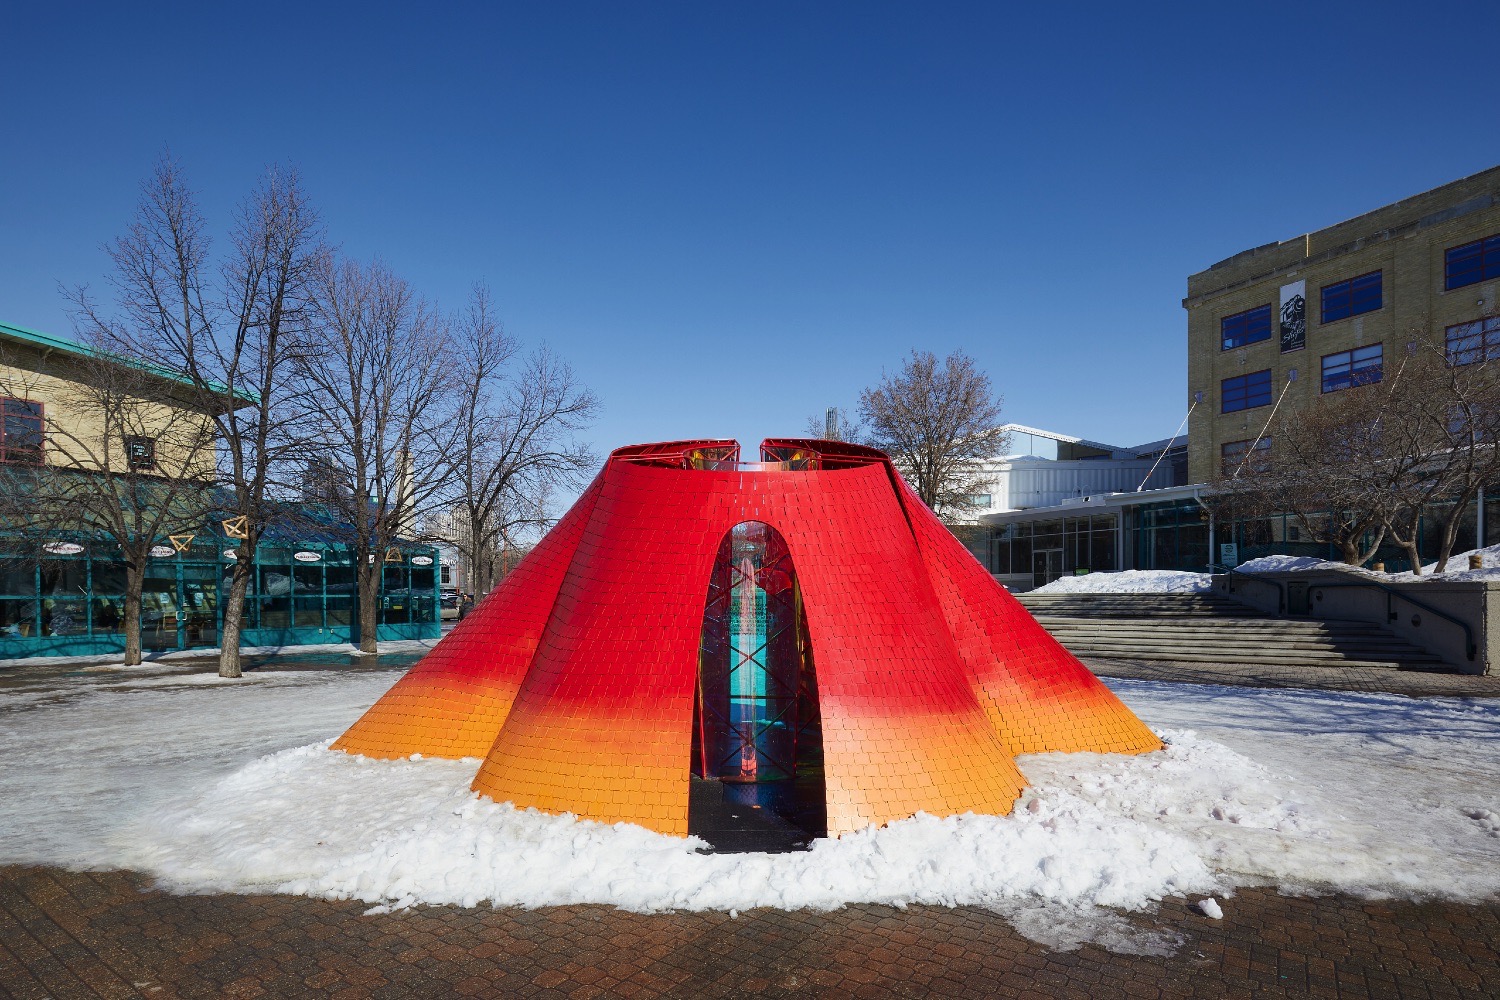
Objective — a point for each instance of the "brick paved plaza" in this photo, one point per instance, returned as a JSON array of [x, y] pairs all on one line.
[[111, 934], [108, 934]]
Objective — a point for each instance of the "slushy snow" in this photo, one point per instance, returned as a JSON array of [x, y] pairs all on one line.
[[230, 787]]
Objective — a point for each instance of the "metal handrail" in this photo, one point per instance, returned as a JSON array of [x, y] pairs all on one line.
[[1231, 572], [1471, 648]]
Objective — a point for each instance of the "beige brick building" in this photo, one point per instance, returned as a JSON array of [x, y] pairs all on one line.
[[1428, 265], [66, 405]]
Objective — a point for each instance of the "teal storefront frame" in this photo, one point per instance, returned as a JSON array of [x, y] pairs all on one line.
[[66, 597]]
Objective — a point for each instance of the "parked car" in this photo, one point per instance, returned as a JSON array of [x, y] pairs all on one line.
[[452, 602]]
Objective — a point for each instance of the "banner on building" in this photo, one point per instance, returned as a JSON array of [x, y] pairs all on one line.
[[1293, 316]]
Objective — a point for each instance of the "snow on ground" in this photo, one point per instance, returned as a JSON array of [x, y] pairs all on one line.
[[1458, 567], [229, 787], [1130, 581]]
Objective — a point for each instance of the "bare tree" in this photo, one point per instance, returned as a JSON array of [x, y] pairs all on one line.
[[1328, 469], [1374, 461], [232, 328], [938, 423], [835, 425], [131, 461], [515, 445], [380, 393]]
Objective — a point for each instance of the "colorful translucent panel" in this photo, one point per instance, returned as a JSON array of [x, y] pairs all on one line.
[[590, 677], [748, 714]]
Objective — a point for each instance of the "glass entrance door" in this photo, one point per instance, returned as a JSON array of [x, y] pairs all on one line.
[[159, 608], [198, 605], [1046, 566]]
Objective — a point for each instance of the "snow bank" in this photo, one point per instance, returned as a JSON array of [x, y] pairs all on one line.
[[301, 821], [1130, 581], [1458, 567], [230, 788], [1285, 564]]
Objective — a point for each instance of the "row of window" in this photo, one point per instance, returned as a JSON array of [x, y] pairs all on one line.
[[1359, 366], [1339, 301], [21, 438], [1466, 343], [1462, 265]]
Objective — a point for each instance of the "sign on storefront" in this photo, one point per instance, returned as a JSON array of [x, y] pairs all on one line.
[[62, 548]]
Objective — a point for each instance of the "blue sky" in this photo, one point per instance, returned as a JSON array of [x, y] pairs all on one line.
[[729, 216]]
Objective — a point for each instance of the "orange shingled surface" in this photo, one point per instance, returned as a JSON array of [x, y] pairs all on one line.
[[575, 679]]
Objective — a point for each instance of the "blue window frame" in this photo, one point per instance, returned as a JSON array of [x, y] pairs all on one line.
[[1360, 366], [1248, 327], [1352, 297], [1478, 340], [1472, 262], [1246, 392]]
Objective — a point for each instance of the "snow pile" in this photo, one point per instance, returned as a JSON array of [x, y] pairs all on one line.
[[1130, 581], [300, 821], [1457, 571], [230, 788], [1286, 564]]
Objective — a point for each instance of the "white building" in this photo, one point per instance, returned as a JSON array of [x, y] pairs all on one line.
[[1045, 468], [1060, 504]]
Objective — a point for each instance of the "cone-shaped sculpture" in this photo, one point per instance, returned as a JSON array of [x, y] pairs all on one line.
[[587, 680]]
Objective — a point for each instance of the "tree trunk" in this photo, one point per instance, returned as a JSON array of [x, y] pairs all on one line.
[[1353, 554], [1408, 542], [1416, 557], [369, 603], [135, 581], [234, 614], [1450, 528]]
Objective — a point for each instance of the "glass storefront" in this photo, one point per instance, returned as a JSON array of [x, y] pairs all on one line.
[[68, 597], [1172, 534], [1285, 535], [1057, 547]]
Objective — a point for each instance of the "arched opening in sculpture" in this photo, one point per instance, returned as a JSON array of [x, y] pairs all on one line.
[[757, 739]]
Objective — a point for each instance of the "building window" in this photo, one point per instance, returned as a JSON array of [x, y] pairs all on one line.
[[1232, 455], [1352, 297], [1248, 327], [140, 452], [1475, 341], [1472, 263], [1360, 366], [981, 500], [1246, 392], [20, 432]]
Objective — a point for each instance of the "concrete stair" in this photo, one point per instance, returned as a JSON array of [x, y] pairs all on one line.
[[1208, 628]]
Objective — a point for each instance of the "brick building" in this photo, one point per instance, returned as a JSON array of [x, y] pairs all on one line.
[[1428, 265]]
